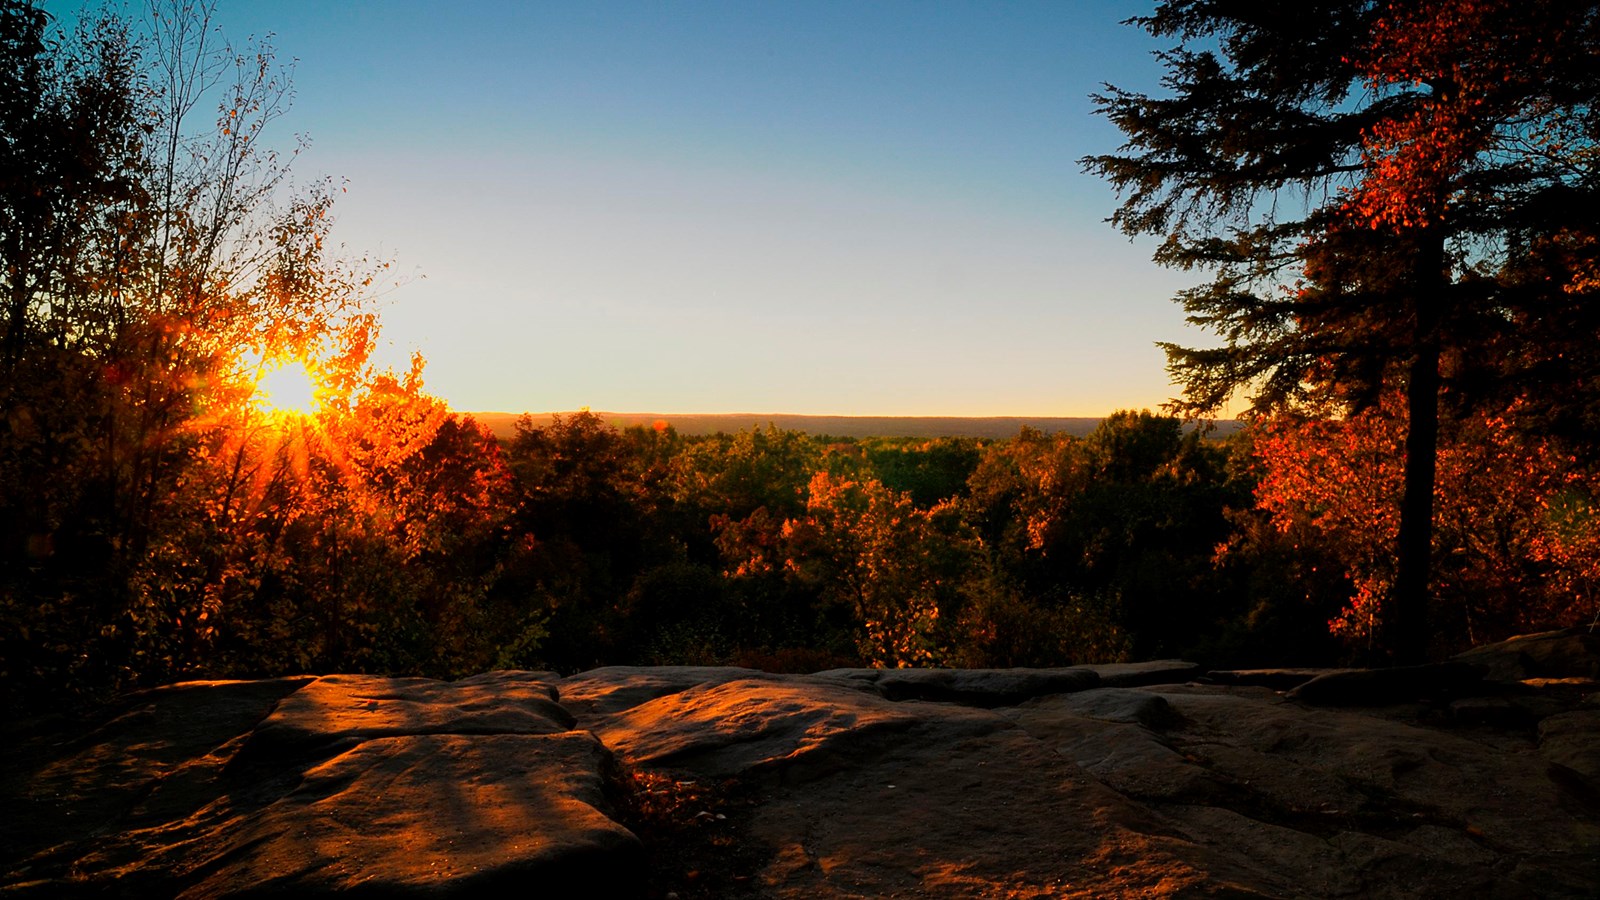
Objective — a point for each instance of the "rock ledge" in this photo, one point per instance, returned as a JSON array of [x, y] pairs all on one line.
[[1478, 778]]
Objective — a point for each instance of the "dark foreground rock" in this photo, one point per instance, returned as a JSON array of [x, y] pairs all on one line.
[[1082, 782], [297, 787]]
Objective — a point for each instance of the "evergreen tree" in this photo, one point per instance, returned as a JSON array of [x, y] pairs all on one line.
[[1388, 197]]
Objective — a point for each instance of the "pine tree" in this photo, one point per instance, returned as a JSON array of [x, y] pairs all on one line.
[[1388, 197]]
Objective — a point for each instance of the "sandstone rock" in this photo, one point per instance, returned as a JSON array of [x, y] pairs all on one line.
[[1572, 739], [57, 788], [1380, 687], [1573, 652], [794, 724], [1214, 791], [614, 688], [991, 815], [1380, 776], [863, 796], [517, 677], [1270, 784], [436, 814], [336, 712], [1504, 711], [1059, 783], [307, 787], [1123, 705], [1141, 674], [972, 687], [1127, 757], [1279, 679]]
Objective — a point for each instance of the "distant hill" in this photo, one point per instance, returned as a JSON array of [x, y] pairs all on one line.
[[502, 424]]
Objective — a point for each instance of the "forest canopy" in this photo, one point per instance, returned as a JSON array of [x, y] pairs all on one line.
[[202, 474]]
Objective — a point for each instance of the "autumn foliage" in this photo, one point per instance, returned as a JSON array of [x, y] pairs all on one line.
[[1471, 56], [159, 520], [1390, 204], [1514, 534]]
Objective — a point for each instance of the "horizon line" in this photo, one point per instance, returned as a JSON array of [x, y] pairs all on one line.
[[742, 414]]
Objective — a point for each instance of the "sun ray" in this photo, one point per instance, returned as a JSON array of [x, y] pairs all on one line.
[[289, 388]]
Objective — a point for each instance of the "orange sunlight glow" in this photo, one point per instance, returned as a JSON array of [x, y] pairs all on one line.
[[288, 388]]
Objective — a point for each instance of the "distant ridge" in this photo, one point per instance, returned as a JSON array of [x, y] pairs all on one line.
[[503, 424]]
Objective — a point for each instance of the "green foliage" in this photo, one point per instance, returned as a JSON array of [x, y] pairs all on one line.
[[929, 471], [898, 570], [1001, 628], [840, 567], [522, 650], [738, 474], [593, 511], [1132, 512], [682, 613]]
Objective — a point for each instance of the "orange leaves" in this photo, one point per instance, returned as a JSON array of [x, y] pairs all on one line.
[[307, 538], [1479, 46], [1508, 560], [1339, 483], [1410, 163], [1471, 65], [867, 548]]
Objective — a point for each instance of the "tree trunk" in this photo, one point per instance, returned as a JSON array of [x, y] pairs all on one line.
[[1408, 608], [1414, 548]]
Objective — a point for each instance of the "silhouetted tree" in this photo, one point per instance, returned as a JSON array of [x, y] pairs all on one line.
[[152, 260], [1371, 185]]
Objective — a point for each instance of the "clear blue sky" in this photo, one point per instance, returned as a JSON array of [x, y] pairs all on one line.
[[812, 207]]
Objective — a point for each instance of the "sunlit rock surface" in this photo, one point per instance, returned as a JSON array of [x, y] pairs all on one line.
[[434, 813], [1155, 779]]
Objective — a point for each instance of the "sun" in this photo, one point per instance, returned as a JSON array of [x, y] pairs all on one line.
[[288, 387]]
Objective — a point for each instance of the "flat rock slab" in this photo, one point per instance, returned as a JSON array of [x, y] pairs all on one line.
[[1008, 687], [1572, 740], [306, 787], [65, 779], [1358, 804], [970, 687], [1279, 679], [790, 726], [864, 796], [614, 688], [998, 814], [1135, 707], [1572, 652], [336, 712], [436, 815], [1165, 790], [1143, 674], [1383, 687], [1131, 781]]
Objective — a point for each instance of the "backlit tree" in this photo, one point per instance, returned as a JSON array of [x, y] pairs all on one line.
[[155, 519], [1388, 197]]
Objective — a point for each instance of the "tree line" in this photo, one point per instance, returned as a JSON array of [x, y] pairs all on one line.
[[392, 535]]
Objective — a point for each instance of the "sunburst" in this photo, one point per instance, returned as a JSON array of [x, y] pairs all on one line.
[[288, 388]]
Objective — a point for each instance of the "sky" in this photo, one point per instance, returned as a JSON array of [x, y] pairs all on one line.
[[852, 208]]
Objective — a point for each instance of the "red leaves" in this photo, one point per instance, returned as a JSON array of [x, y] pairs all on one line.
[[1472, 66], [1513, 518]]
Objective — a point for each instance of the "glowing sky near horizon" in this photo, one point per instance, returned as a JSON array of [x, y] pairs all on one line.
[[808, 207]]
